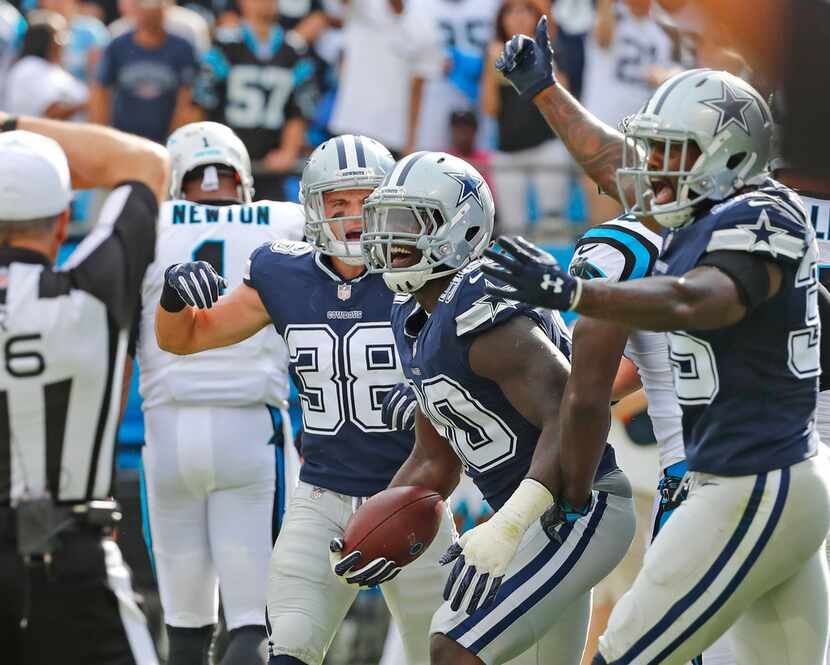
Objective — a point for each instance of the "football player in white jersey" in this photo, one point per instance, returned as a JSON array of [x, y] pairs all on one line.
[[211, 419], [620, 250]]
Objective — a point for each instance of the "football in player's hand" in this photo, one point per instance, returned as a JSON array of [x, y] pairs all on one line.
[[397, 524]]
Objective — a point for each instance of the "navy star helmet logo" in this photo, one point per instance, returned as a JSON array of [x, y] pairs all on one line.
[[731, 108], [470, 186]]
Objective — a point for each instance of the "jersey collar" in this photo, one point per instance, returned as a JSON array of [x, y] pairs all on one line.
[[265, 50], [323, 265], [10, 255]]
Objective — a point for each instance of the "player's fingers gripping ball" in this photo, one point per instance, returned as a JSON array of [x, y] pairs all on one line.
[[389, 531]]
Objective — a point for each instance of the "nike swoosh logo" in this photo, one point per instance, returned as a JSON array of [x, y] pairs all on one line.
[[473, 280]]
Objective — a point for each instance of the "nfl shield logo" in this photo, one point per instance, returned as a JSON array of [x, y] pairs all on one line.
[[344, 291]]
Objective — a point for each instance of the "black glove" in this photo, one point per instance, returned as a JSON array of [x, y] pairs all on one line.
[[195, 283], [532, 275], [528, 63], [561, 512], [375, 572], [398, 410]]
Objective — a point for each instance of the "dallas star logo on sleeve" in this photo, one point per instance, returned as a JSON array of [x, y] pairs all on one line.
[[485, 308], [730, 108], [762, 236], [470, 186]]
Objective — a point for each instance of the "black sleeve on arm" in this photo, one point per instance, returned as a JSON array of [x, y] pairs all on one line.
[[111, 261], [824, 317], [747, 271]]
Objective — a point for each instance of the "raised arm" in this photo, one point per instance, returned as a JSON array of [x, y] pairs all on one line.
[[528, 65], [191, 317], [104, 157]]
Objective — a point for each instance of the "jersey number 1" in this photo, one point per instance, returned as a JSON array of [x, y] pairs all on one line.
[[212, 252]]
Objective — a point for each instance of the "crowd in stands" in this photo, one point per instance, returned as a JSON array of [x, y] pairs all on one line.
[[287, 74]]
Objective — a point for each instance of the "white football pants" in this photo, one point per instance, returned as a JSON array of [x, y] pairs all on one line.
[[743, 554], [211, 480], [306, 600]]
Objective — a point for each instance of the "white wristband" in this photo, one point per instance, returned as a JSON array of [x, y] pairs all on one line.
[[527, 503], [576, 296]]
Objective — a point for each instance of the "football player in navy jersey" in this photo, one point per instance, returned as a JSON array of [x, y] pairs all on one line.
[[334, 317], [488, 373], [737, 293]]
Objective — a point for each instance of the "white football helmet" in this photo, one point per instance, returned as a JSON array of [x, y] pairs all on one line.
[[342, 162], [432, 216], [208, 143], [723, 115]]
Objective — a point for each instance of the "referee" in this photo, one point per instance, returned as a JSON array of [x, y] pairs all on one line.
[[65, 592]]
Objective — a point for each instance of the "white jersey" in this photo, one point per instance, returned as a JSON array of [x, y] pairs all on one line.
[[466, 28], [616, 77], [254, 371], [621, 250]]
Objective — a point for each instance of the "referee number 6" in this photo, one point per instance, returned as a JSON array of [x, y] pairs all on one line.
[[21, 360]]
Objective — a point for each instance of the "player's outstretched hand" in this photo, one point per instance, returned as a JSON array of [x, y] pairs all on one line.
[[373, 573], [195, 283], [398, 410], [481, 556], [532, 275], [528, 63]]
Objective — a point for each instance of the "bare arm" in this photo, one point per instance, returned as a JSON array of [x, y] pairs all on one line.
[[490, 83], [532, 374], [627, 381], [104, 157], [432, 462], [606, 21], [416, 91], [184, 110], [595, 146], [233, 318], [703, 299], [597, 349], [100, 108], [311, 26]]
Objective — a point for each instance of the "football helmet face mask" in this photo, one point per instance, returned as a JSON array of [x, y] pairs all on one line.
[[208, 143], [432, 216], [341, 163], [711, 112]]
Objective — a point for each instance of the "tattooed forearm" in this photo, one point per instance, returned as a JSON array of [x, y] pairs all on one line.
[[597, 147]]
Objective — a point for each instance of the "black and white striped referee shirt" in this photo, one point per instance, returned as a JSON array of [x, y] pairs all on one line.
[[63, 341]]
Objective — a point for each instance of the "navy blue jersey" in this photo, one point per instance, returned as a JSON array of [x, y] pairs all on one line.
[[493, 440], [748, 391], [342, 360]]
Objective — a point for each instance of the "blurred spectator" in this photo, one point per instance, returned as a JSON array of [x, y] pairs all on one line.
[[37, 83], [574, 20], [627, 56], [463, 130], [145, 76], [88, 36], [390, 48], [12, 29], [257, 79], [186, 23], [466, 28], [305, 17], [529, 154]]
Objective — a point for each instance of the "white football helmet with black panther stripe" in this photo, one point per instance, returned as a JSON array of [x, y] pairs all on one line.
[[342, 162], [432, 216], [204, 144], [723, 115]]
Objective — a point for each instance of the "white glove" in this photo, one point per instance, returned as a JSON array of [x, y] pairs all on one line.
[[482, 554]]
